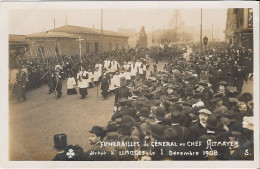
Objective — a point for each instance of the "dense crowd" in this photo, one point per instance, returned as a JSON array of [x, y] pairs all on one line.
[[192, 110]]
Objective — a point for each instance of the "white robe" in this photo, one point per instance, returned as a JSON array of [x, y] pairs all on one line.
[[127, 75], [114, 66], [83, 83], [71, 83], [139, 68], [97, 74], [117, 80], [107, 65], [90, 77], [133, 70], [99, 66]]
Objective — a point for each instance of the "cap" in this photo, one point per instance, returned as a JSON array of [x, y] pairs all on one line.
[[205, 111]]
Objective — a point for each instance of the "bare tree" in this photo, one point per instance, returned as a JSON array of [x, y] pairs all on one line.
[[176, 24], [142, 40]]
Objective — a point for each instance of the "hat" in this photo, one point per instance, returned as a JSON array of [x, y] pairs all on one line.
[[223, 83], [60, 141], [99, 131], [170, 86], [173, 98], [233, 100], [198, 104], [144, 112], [203, 82], [152, 78], [205, 111], [156, 102], [148, 95], [224, 121], [176, 116], [157, 130], [112, 136], [127, 121], [212, 122], [160, 113], [248, 122], [245, 97], [111, 126]]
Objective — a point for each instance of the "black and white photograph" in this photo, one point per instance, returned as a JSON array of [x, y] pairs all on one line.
[[130, 81]]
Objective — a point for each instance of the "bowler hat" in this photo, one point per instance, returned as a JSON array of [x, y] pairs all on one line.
[[157, 130], [245, 97], [111, 126], [112, 136], [212, 122], [144, 112], [156, 102], [127, 121], [160, 113]]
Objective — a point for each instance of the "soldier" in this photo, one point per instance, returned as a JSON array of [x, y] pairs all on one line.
[[57, 83], [20, 85], [50, 80]]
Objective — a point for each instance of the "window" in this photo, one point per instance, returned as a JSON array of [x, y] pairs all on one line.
[[41, 50], [96, 46], [250, 18], [87, 47]]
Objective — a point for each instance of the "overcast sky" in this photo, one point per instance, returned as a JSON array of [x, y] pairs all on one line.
[[26, 21]]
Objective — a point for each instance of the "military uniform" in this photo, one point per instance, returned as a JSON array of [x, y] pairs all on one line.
[[20, 85]]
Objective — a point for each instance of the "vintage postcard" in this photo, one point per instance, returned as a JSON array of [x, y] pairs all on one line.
[[129, 84]]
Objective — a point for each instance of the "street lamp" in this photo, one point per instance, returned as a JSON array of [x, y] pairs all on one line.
[[205, 41]]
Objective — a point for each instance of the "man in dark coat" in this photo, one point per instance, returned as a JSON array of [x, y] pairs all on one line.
[[104, 86], [199, 128], [97, 135], [20, 85], [50, 80], [122, 91], [182, 132]]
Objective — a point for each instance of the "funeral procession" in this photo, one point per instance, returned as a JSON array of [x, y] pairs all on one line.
[[131, 85]]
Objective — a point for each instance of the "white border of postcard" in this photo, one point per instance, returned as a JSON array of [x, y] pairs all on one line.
[[6, 6]]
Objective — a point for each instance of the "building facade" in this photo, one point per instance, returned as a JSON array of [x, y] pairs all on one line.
[[17, 49], [65, 41], [239, 27]]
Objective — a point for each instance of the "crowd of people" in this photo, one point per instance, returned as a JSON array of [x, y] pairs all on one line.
[[192, 110]]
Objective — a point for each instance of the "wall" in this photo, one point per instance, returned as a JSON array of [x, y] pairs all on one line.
[[71, 46]]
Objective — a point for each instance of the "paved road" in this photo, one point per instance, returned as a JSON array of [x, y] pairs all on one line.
[[32, 124]]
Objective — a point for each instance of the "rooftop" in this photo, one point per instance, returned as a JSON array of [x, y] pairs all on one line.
[[78, 29], [49, 34]]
